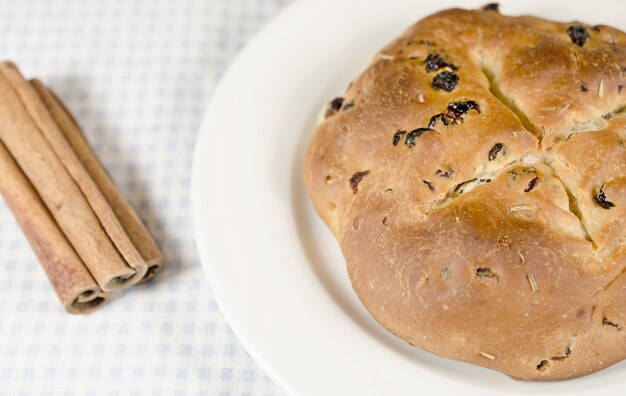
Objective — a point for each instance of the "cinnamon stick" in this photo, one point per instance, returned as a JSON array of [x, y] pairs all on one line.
[[38, 111], [136, 230], [72, 282], [63, 198]]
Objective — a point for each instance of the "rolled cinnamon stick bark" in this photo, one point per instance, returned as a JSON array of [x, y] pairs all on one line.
[[59, 192], [38, 111], [136, 230], [72, 282]]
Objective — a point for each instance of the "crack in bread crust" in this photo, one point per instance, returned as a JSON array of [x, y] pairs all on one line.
[[574, 208], [503, 230], [508, 102]]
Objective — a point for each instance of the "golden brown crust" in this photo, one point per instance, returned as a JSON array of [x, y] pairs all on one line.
[[498, 239]]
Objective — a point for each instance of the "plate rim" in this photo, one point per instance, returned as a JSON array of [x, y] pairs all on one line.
[[204, 162]]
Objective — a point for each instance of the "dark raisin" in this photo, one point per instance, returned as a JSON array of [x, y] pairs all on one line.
[[543, 365], [348, 105], [446, 173], [531, 184], [435, 62], [334, 106], [441, 117], [601, 199], [336, 103], [568, 351], [583, 88], [414, 134], [619, 89], [484, 272], [491, 7], [578, 34], [446, 80], [356, 179], [398, 136], [493, 153], [596, 28], [429, 184], [456, 110], [607, 322]]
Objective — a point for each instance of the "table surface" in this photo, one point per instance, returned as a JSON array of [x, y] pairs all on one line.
[[137, 75]]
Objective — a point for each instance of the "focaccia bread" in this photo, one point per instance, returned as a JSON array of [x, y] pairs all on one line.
[[475, 177]]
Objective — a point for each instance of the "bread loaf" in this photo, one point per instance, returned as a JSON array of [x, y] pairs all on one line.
[[475, 177]]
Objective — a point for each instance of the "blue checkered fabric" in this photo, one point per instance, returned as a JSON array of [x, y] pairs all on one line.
[[137, 75]]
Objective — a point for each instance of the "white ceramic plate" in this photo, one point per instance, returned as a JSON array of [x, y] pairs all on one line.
[[276, 271]]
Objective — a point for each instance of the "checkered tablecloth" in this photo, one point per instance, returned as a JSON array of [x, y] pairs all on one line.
[[137, 75]]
